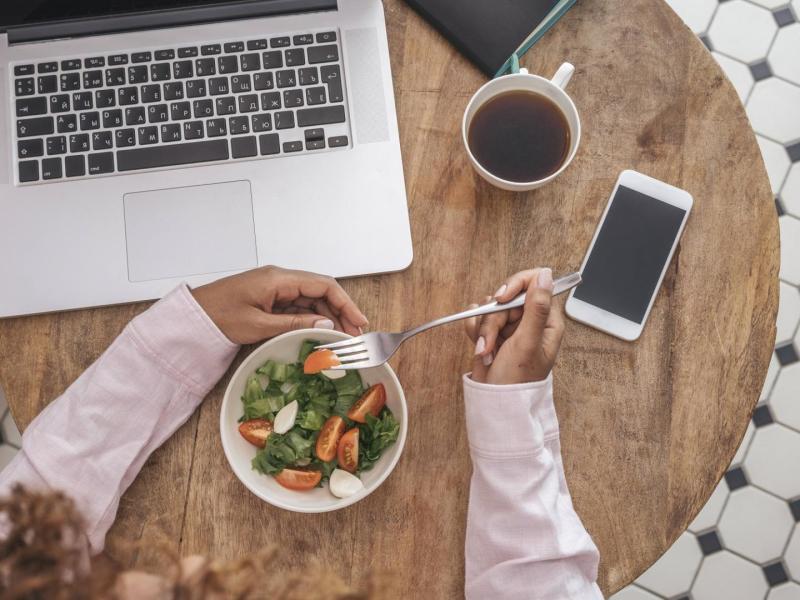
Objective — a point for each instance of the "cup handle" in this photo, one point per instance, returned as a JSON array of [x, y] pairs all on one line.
[[563, 75]]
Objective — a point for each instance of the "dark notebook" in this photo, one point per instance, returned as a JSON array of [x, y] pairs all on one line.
[[488, 32]]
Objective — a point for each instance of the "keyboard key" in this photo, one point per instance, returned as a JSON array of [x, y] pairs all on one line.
[[92, 79], [66, 123], [173, 91], [159, 71], [75, 165], [239, 125], [89, 120], [218, 85], [28, 171], [147, 135], [273, 59], [23, 70], [105, 98], [216, 127], [47, 84], [30, 148], [203, 108], [303, 39], [315, 95], [321, 115], [269, 143], [257, 44], [95, 61], [71, 64], [171, 132], [323, 54], [244, 147], [284, 120], [178, 111], [286, 78], [270, 101], [137, 74], [164, 54], [279, 42], [295, 57], [315, 134], [118, 59], [325, 37], [335, 93], [192, 130], [226, 105], [134, 115], [123, 138], [292, 146], [172, 155], [188, 52], [102, 140], [250, 62], [263, 81], [196, 88], [205, 67], [102, 162], [56, 145], [292, 98], [227, 64], [59, 103], [82, 101], [70, 82], [248, 103], [51, 168], [337, 141], [157, 113], [34, 127], [240, 83], [29, 107], [140, 57], [151, 93], [115, 76], [24, 86], [182, 69], [48, 67], [112, 118], [308, 76], [210, 49], [234, 47], [315, 144], [261, 123], [128, 95], [79, 142]]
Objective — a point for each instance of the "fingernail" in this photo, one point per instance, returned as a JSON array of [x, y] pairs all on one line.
[[501, 290], [487, 360], [360, 331], [480, 346], [545, 280], [323, 324]]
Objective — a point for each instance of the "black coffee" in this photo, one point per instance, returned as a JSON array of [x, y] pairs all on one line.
[[519, 136]]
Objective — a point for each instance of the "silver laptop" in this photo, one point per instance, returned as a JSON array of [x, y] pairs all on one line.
[[148, 142]]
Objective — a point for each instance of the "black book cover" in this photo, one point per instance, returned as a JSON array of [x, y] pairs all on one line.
[[486, 31]]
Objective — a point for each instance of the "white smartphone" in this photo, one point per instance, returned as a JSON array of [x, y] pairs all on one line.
[[629, 255]]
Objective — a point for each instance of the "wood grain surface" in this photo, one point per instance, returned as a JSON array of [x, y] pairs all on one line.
[[648, 428]]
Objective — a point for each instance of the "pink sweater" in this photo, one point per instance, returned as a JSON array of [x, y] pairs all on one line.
[[524, 540]]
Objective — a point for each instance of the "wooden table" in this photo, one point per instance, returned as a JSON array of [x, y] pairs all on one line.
[[648, 428]]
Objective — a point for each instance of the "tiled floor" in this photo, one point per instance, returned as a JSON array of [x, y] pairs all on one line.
[[745, 544]]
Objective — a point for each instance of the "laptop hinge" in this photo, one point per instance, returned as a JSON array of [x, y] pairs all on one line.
[[163, 18]]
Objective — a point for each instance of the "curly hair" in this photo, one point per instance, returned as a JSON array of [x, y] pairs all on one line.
[[43, 555]]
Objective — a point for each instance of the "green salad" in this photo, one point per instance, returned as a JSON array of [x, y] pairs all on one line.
[[313, 425]]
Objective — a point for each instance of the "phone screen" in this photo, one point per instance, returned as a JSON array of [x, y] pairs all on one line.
[[629, 254]]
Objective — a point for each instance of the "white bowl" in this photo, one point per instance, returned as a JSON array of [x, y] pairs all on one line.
[[239, 452]]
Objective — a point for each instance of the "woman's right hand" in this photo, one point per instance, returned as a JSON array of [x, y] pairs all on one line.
[[519, 345]]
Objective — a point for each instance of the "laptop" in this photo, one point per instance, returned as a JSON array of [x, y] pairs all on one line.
[[148, 142]]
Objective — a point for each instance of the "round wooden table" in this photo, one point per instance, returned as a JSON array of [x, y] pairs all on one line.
[[648, 428]]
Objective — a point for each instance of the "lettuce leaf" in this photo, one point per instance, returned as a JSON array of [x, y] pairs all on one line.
[[374, 437], [311, 419], [349, 385], [282, 451]]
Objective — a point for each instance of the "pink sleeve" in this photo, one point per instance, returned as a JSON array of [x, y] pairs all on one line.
[[92, 441], [524, 539]]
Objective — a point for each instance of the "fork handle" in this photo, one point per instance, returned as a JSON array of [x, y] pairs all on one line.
[[560, 285]]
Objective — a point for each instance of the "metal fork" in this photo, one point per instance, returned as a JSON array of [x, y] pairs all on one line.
[[373, 349]]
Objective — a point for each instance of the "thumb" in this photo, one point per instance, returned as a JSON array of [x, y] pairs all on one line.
[[537, 310], [270, 325]]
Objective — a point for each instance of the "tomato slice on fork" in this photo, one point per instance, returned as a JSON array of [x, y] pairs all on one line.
[[319, 360]]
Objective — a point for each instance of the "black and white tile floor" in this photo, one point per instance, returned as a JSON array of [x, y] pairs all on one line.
[[745, 544]]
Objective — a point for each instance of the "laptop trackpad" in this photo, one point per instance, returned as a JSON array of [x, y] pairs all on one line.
[[190, 231]]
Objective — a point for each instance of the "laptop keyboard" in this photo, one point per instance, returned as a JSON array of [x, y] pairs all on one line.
[[238, 100]]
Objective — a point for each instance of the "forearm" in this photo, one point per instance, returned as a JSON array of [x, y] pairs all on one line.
[[524, 539], [92, 441]]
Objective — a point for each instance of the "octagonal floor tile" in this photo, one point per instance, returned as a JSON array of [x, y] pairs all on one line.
[[783, 56], [633, 592], [738, 73], [773, 449], [772, 109], [755, 524], [770, 4], [785, 591], [785, 398], [790, 247], [738, 458], [742, 30], [672, 574], [725, 575], [792, 555], [788, 312], [772, 374], [776, 161], [790, 194], [709, 514], [695, 13]]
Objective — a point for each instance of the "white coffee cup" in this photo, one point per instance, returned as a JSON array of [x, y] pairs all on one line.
[[521, 80]]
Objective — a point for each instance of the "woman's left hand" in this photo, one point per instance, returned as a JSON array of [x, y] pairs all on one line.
[[265, 302]]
